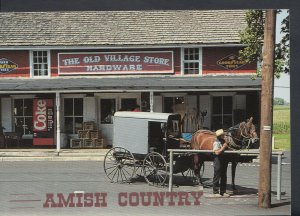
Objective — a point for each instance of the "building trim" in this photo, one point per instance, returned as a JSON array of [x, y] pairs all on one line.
[[157, 46], [127, 91]]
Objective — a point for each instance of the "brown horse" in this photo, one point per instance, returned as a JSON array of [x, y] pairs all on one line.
[[240, 136]]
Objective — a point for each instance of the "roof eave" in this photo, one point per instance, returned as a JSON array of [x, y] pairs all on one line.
[[133, 46]]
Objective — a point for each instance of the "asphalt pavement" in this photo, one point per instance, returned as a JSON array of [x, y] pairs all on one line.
[[80, 187]]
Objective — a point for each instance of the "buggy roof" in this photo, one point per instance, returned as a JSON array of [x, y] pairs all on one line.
[[156, 116]]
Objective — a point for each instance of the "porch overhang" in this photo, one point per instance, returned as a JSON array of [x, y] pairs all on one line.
[[129, 84]]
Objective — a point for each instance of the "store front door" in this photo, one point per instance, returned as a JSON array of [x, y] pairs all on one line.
[[108, 105]]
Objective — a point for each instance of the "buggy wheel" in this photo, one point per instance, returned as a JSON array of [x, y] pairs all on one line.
[[119, 165], [190, 173], [155, 169]]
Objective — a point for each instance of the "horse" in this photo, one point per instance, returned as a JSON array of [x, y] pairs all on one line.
[[240, 136]]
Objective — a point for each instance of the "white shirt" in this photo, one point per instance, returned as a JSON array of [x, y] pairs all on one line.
[[217, 145]]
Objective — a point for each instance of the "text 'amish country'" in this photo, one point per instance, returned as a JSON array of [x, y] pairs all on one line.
[[131, 199]]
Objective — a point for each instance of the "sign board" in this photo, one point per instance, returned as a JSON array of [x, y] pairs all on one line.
[[7, 66], [43, 122], [115, 63], [231, 62]]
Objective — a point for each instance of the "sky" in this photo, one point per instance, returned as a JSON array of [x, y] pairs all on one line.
[[282, 85]]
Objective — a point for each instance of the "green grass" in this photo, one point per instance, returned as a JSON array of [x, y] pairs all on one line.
[[282, 141], [281, 127]]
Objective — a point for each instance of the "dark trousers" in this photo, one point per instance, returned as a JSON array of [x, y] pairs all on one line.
[[220, 174]]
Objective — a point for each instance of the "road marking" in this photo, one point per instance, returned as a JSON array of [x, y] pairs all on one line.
[[78, 192], [25, 200]]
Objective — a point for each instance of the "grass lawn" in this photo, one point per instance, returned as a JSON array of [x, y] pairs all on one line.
[[281, 127], [282, 141]]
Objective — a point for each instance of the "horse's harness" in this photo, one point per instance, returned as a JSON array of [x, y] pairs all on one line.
[[231, 140]]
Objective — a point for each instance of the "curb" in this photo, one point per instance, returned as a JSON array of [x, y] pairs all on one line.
[[54, 158], [52, 155]]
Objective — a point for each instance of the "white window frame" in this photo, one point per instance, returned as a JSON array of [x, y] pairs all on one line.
[[32, 64], [22, 116], [230, 94], [199, 61], [72, 116]]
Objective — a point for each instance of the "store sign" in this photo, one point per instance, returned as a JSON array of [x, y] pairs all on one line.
[[231, 62], [43, 122], [7, 66], [115, 63]]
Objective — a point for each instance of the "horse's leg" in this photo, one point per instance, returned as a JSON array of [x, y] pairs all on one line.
[[201, 163], [197, 168], [233, 170]]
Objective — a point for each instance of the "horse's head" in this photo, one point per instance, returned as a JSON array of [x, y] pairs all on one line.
[[248, 132]]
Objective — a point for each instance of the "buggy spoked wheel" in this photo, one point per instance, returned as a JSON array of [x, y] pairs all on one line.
[[119, 165], [190, 172], [155, 169]]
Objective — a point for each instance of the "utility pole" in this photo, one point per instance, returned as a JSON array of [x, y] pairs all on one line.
[[265, 153]]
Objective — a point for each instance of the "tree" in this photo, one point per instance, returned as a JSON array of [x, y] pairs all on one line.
[[278, 101], [253, 36]]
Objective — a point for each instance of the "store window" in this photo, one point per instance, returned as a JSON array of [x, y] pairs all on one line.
[[40, 63], [192, 61], [222, 112], [173, 104], [129, 104], [23, 118], [108, 108], [73, 115]]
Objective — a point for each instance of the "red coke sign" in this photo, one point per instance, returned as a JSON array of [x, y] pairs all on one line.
[[43, 122], [40, 115]]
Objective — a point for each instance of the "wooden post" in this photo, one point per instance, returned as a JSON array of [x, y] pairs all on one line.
[[264, 190]]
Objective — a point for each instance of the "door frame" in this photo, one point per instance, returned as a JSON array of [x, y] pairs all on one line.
[[118, 97]]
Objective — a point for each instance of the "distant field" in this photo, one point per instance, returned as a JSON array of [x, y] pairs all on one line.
[[281, 127]]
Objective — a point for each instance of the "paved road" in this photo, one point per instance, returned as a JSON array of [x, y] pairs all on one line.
[[24, 187]]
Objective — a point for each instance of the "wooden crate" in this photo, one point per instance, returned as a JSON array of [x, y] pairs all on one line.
[[75, 143], [99, 143], [83, 134], [88, 143], [89, 126], [95, 134]]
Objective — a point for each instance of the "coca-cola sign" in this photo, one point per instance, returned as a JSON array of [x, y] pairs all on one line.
[[40, 115], [43, 122]]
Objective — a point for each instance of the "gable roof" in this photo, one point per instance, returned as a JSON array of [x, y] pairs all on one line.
[[120, 28]]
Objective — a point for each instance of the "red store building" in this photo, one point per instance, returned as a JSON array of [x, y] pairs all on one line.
[[61, 69]]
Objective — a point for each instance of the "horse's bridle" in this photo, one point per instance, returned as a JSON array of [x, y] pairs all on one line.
[[249, 135], [246, 137]]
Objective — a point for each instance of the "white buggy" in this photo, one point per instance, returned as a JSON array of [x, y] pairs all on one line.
[[140, 142]]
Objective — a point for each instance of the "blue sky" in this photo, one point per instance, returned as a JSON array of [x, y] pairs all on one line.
[[282, 85]]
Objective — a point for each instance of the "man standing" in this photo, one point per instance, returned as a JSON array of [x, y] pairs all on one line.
[[220, 165]]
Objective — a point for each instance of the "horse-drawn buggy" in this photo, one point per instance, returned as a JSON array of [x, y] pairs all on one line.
[[140, 144], [141, 141]]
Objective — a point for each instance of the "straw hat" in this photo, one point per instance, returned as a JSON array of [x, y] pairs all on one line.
[[219, 132]]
